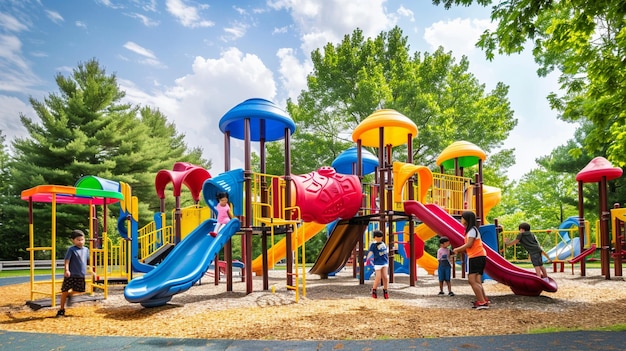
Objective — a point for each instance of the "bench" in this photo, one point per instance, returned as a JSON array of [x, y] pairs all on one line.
[[25, 264]]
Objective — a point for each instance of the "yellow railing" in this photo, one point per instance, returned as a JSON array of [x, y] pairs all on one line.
[[547, 238], [148, 239], [451, 192], [271, 189]]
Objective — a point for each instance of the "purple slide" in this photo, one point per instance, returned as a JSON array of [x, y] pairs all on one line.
[[521, 281]]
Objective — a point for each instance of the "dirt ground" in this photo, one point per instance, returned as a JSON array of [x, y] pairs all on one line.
[[334, 309]]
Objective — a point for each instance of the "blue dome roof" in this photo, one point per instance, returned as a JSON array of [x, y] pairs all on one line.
[[267, 120], [345, 161]]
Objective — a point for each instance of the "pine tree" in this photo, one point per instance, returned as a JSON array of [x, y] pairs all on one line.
[[87, 129]]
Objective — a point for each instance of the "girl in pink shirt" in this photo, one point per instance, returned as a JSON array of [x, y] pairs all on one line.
[[223, 213]]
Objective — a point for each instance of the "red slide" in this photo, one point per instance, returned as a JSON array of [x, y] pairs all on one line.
[[521, 281]]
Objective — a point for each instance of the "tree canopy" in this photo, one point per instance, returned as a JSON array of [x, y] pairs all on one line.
[[352, 79], [86, 129], [586, 42]]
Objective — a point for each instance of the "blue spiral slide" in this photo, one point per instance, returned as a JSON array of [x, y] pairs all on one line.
[[183, 267]]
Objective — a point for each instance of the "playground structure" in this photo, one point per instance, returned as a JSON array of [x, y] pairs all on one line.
[[409, 203], [578, 249]]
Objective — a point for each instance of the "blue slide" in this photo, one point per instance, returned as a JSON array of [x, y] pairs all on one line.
[[183, 267], [568, 247]]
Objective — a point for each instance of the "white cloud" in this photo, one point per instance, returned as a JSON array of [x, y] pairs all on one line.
[[149, 59], [10, 123], [10, 23], [404, 12], [187, 15], [81, 24], [138, 49], [16, 74], [292, 73], [459, 35], [110, 4], [235, 31], [320, 22], [198, 100], [145, 20], [54, 16]]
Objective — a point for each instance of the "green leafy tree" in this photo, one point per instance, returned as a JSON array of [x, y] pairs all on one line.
[[86, 129], [544, 197], [586, 42], [354, 78]]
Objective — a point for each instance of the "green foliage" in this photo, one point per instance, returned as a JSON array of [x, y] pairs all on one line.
[[354, 78], [586, 42], [541, 197], [85, 129]]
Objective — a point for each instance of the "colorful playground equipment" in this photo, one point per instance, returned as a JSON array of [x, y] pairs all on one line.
[[600, 171], [409, 203]]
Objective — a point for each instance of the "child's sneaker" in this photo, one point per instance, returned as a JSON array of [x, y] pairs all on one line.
[[481, 305], [213, 234], [385, 294], [441, 293], [374, 294], [450, 293], [61, 313]]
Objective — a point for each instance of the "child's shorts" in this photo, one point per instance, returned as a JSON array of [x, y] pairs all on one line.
[[76, 284], [380, 266], [444, 273]]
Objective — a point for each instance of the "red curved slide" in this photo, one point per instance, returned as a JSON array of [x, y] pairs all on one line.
[[521, 281]]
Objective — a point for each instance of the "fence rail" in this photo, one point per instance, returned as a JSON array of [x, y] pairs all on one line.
[[25, 264]]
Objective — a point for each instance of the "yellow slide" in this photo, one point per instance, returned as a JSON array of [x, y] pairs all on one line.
[[427, 261], [279, 250]]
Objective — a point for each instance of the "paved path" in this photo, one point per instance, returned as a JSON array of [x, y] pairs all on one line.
[[570, 341]]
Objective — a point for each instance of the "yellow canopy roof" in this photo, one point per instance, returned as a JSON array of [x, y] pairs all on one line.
[[467, 153], [396, 126]]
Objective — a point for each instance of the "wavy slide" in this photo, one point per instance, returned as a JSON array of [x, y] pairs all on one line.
[[521, 281], [279, 250], [338, 248], [182, 268]]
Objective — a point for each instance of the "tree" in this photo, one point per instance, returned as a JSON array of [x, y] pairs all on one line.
[[86, 129], [354, 78], [586, 42], [544, 197]]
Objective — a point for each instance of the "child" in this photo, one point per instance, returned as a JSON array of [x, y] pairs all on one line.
[[379, 254], [223, 212], [530, 243], [477, 259], [446, 260], [76, 260]]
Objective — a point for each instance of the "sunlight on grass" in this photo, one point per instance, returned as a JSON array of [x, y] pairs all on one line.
[[612, 328]]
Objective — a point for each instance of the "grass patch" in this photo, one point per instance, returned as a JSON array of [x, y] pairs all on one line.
[[611, 328], [26, 273]]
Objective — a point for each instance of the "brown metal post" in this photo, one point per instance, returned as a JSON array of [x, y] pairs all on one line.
[[247, 230], [581, 226], [391, 234], [178, 217], [411, 233], [381, 181], [228, 248], [264, 211], [605, 253], [288, 241], [361, 242]]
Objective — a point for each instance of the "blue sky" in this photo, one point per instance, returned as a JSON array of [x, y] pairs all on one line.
[[194, 60]]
